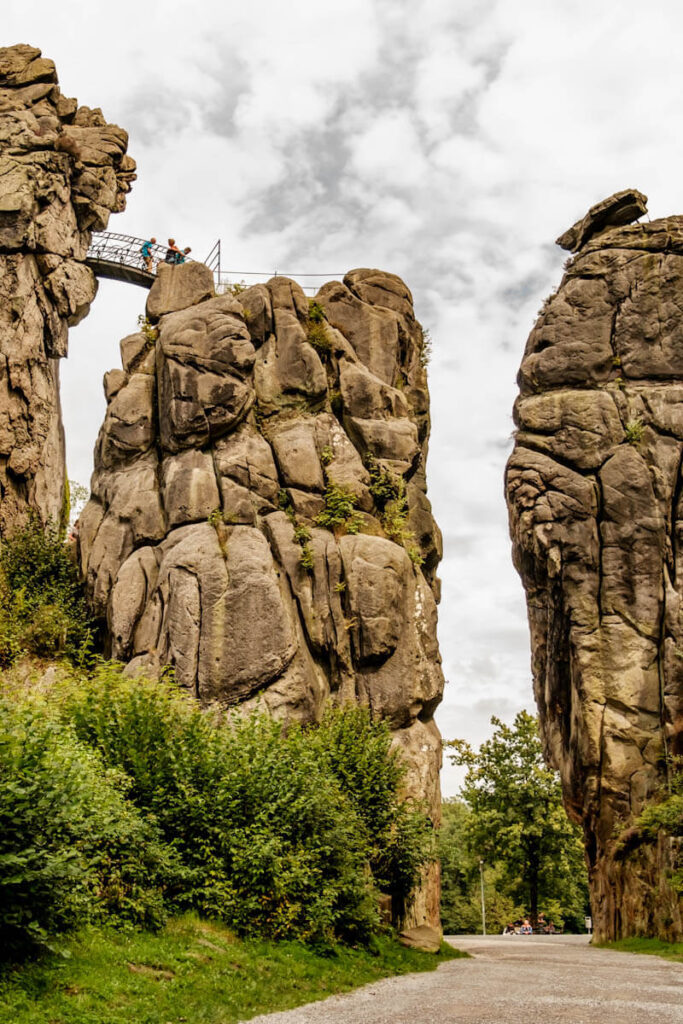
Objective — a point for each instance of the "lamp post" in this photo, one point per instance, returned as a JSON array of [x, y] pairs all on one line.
[[483, 904]]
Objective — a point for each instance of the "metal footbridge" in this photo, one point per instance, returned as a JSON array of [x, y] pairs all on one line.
[[119, 258]]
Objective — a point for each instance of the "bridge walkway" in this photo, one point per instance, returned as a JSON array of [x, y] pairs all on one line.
[[119, 257]]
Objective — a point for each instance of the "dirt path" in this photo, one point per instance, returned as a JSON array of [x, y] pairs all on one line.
[[540, 980]]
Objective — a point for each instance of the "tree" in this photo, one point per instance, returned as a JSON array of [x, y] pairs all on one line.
[[517, 820], [460, 878]]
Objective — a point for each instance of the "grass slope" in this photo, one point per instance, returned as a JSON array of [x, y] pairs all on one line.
[[653, 947], [192, 970]]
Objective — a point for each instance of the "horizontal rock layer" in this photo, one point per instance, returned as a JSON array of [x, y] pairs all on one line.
[[259, 518], [596, 518], [63, 170]]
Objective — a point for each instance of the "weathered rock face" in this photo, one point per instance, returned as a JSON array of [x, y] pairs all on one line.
[[63, 170], [259, 517], [594, 493]]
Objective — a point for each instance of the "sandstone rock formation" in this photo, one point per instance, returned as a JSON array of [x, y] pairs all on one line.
[[594, 488], [63, 170], [259, 517]]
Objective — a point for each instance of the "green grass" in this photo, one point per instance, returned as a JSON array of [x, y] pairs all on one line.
[[653, 947], [192, 970]]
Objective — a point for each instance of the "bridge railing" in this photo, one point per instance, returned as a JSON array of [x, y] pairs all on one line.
[[228, 280], [111, 248]]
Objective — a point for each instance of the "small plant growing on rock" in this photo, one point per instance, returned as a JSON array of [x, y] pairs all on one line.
[[394, 518], [150, 332], [302, 534], [547, 302], [215, 517], [306, 560], [316, 333], [326, 455], [634, 431], [336, 403], [231, 287], [384, 486], [340, 512], [425, 348], [389, 493], [415, 555], [316, 313]]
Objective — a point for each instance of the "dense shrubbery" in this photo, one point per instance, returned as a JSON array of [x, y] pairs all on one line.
[[122, 796], [71, 846], [42, 606]]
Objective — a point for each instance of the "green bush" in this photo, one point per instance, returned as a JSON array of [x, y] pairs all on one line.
[[371, 772], [285, 835], [340, 511], [634, 431], [43, 604], [71, 847]]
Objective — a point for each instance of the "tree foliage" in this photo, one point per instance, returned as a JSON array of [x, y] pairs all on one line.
[[513, 818], [42, 603]]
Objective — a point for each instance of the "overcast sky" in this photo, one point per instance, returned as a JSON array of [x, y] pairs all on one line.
[[448, 141]]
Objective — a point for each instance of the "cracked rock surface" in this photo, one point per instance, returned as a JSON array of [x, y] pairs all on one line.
[[259, 517], [63, 171], [594, 491]]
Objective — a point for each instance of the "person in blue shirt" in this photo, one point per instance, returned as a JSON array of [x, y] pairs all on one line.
[[146, 251]]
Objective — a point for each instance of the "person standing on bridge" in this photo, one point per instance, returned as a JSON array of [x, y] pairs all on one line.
[[172, 253], [146, 251]]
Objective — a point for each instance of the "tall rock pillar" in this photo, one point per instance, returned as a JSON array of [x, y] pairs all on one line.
[[63, 170], [594, 490], [259, 517]]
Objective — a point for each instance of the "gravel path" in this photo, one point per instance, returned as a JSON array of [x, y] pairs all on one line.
[[539, 980]]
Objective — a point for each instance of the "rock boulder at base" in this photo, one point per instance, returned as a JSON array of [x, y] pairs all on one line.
[[596, 519], [424, 938]]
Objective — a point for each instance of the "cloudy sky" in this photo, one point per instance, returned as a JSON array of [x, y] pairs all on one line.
[[448, 141]]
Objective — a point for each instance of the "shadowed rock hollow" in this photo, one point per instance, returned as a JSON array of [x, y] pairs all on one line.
[[596, 517], [259, 517], [63, 170]]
